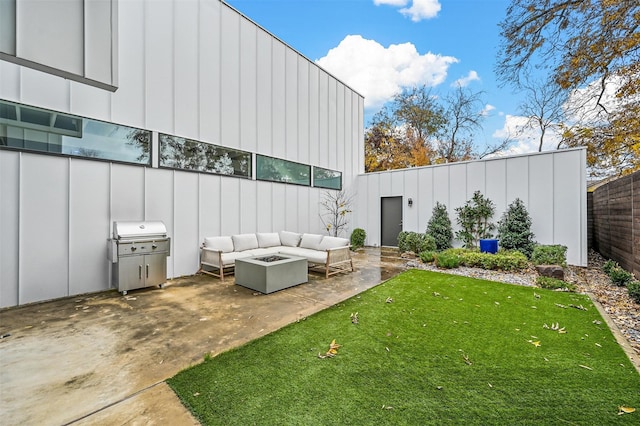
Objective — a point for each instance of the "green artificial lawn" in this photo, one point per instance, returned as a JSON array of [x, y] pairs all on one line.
[[428, 348]]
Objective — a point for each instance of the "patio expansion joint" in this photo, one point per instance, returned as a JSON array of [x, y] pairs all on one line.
[[114, 403]]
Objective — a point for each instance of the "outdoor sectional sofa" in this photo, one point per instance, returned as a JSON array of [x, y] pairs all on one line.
[[330, 254]]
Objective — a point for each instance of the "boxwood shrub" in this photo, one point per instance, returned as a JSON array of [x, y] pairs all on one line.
[[549, 255], [634, 290], [554, 284]]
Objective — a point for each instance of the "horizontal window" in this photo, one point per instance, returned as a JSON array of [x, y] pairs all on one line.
[[36, 129], [325, 178], [277, 170], [187, 154]]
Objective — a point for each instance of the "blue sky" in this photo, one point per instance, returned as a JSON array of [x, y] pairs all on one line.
[[379, 46]]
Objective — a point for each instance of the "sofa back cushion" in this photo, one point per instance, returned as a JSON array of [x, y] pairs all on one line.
[[271, 239], [311, 241], [290, 239], [333, 242], [219, 243], [242, 242]]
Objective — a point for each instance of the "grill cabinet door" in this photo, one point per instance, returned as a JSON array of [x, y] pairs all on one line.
[[155, 269], [131, 273]]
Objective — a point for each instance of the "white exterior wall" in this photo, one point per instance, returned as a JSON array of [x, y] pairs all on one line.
[[552, 186], [192, 68]]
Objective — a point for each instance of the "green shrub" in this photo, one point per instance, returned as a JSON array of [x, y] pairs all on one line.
[[514, 229], [447, 259], [358, 237], [554, 284], [634, 290], [415, 242], [428, 256], [504, 261], [474, 219], [549, 255], [609, 265], [439, 227], [619, 276]]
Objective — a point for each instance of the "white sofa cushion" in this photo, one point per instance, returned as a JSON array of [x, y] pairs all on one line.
[[229, 259], [219, 243], [263, 251], [271, 239], [291, 239], [333, 242], [311, 241], [313, 256], [242, 242]]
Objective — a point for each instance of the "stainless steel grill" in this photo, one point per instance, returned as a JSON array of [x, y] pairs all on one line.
[[138, 253]]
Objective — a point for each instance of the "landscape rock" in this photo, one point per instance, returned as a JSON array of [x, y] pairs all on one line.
[[551, 271]]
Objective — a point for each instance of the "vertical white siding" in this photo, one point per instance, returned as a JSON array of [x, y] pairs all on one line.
[[9, 228], [88, 219], [552, 185], [195, 69]]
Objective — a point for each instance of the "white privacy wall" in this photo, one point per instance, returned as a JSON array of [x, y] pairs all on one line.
[[191, 68], [552, 186]]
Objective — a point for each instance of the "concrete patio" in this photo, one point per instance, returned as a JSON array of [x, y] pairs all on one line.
[[103, 358]]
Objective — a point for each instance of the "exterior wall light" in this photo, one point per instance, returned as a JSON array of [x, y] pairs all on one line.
[[410, 202]]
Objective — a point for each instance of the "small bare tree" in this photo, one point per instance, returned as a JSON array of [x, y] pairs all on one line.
[[336, 207]]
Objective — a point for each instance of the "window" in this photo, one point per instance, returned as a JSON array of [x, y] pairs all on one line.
[[36, 129], [276, 170], [324, 178], [186, 154]]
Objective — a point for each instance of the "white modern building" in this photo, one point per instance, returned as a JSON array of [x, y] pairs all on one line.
[[187, 112]]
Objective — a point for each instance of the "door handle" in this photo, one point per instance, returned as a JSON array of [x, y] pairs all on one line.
[[147, 270], [139, 272]]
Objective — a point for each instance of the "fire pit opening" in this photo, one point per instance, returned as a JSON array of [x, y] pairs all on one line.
[[273, 258]]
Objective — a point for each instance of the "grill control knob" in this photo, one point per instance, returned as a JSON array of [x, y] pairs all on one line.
[[154, 246], [134, 248]]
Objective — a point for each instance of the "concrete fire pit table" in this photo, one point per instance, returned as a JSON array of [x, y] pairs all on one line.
[[267, 274]]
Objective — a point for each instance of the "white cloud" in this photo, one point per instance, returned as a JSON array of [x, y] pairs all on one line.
[[487, 109], [464, 81], [526, 138], [419, 9], [398, 3], [379, 72], [422, 9]]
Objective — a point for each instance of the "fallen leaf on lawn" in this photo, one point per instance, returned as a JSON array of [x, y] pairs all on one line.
[[333, 350], [354, 318], [586, 367], [559, 305], [596, 322], [562, 331], [389, 300], [536, 343], [490, 385], [466, 359], [536, 295], [598, 345], [387, 407], [436, 294], [625, 410], [582, 308], [196, 394]]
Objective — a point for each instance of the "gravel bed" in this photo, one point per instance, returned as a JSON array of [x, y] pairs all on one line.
[[623, 311]]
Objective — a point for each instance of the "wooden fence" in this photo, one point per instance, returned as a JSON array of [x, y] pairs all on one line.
[[615, 223]]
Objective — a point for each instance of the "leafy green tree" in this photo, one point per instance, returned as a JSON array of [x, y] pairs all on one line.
[[514, 229], [439, 227], [474, 218]]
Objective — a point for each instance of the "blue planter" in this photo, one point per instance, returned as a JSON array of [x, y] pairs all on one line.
[[489, 246]]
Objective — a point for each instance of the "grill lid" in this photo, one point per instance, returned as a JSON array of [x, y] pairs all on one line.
[[139, 229]]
